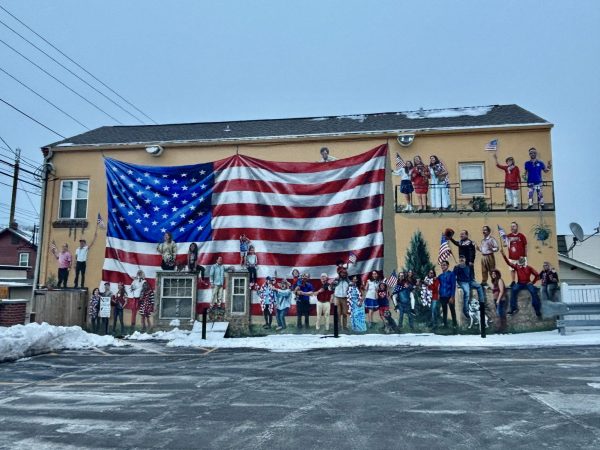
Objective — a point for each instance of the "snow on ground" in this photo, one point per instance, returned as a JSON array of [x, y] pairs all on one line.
[[19, 341], [299, 342]]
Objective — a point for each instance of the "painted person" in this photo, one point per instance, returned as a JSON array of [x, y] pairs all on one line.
[[466, 281], [533, 171], [512, 182], [432, 285], [146, 306], [118, 302], [65, 262], [406, 186], [81, 255], [420, 181], [135, 290], [267, 301], [524, 282], [304, 289], [550, 281], [167, 249], [447, 280], [324, 294], [383, 301], [356, 306], [403, 291], [94, 310], [252, 265], [370, 295], [517, 247], [340, 296], [217, 279], [438, 190], [325, 156], [284, 302], [499, 293], [489, 246], [466, 247], [192, 260], [244, 246]]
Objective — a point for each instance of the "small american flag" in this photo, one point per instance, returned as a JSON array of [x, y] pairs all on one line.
[[352, 258], [399, 162], [392, 280], [492, 146], [445, 251], [502, 234], [53, 248], [100, 222]]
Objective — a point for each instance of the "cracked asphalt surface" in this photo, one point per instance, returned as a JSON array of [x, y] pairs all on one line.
[[150, 396]]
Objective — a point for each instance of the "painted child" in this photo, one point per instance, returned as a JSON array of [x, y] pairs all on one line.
[[356, 306], [244, 246], [267, 301], [382, 300], [252, 264], [284, 301]]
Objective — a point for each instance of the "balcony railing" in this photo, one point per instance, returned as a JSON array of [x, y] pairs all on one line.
[[492, 199]]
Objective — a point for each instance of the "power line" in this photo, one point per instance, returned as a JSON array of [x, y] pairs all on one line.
[[43, 98], [12, 165], [29, 117], [24, 181], [30, 201], [71, 72], [24, 160], [60, 82], [78, 65], [21, 211], [21, 189]]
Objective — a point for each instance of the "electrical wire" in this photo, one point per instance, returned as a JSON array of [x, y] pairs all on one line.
[[77, 64], [29, 117], [60, 82], [71, 72], [21, 189], [27, 182], [44, 98]]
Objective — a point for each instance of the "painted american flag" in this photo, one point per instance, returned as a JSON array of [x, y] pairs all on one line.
[[492, 146], [392, 280], [445, 251], [297, 215], [399, 162]]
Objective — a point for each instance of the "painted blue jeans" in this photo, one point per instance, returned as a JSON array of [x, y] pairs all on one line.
[[466, 288], [535, 299], [404, 308], [281, 313]]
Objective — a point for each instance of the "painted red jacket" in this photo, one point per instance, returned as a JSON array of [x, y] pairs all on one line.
[[523, 272], [512, 176]]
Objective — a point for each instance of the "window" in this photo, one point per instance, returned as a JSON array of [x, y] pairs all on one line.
[[73, 199], [177, 297], [238, 295], [24, 259], [471, 178]]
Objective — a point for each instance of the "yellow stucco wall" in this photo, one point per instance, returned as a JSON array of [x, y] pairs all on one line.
[[451, 147]]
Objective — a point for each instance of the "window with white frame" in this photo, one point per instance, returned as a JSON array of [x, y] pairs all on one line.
[[238, 295], [177, 297], [471, 178], [73, 199], [24, 259]]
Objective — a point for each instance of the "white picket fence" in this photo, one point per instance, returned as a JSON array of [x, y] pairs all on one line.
[[587, 293]]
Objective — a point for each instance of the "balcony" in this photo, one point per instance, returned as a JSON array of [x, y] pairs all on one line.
[[492, 199]]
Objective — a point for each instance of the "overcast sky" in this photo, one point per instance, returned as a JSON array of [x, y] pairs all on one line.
[[191, 61]]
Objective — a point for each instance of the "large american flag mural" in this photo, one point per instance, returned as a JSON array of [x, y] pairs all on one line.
[[297, 215]]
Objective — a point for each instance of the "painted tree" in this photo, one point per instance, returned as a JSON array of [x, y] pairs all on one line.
[[417, 257]]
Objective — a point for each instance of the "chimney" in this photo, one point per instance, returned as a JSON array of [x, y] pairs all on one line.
[[14, 226]]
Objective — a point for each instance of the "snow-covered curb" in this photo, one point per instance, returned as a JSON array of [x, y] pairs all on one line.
[[295, 343], [21, 341]]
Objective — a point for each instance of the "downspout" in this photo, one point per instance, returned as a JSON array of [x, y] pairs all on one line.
[[38, 258]]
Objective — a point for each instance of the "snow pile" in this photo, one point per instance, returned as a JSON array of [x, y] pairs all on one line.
[[451, 112], [31, 339], [158, 335], [174, 323], [299, 342], [359, 117], [214, 331]]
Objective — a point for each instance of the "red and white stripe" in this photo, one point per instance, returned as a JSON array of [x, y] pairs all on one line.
[[297, 215]]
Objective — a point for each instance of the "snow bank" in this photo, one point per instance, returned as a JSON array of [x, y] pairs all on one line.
[[299, 342], [19, 341], [451, 112]]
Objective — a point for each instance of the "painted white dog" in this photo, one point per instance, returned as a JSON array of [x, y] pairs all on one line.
[[474, 313]]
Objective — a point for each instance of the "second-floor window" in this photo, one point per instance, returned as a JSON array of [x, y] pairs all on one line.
[[24, 259], [471, 179], [73, 199]]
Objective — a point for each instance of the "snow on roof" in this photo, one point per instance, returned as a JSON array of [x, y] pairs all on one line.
[[448, 112]]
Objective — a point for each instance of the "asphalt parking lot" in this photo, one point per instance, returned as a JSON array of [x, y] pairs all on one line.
[[149, 396]]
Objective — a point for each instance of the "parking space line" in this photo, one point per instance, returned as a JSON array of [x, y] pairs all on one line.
[[210, 351]]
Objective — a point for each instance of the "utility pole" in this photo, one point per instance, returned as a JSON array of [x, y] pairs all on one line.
[[13, 201]]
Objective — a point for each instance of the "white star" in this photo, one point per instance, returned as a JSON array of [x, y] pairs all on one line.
[[154, 222], [115, 196], [115, 182], [122, 205], [173, 223], [122, 177], [191, 221], [138, 207], [130, 198], [174, 208], [129, 227], [166, 202], [165, 188], [121, 219], [183, 202], [156, 194], [193, 180], [165, 175], [200, 228], [201, 199], [114, 210], [203, 186], [139, 180], [131, 185], [181, 229], [174, 181], [184, 188], [156, 181], [192, 207], [182, 215], [129, 172], [164, 216], [156, 208], [194, 194], [175, 195], [146, 174], [163, 230], [148, 187], [138, 220], [146, 215], [183, 175], [145, 228], [139, 193], [201, 213], [202, 172], [147, 201], [130, 213]]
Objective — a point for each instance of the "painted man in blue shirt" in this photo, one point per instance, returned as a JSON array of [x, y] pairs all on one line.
[[402, 291], [465, 278], [304, 289], [447, 281], [533, 169]]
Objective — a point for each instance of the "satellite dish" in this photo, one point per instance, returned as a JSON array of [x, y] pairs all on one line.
[[576, 230]]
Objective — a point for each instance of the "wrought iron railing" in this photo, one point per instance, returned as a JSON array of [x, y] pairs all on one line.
[[493, 198]]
